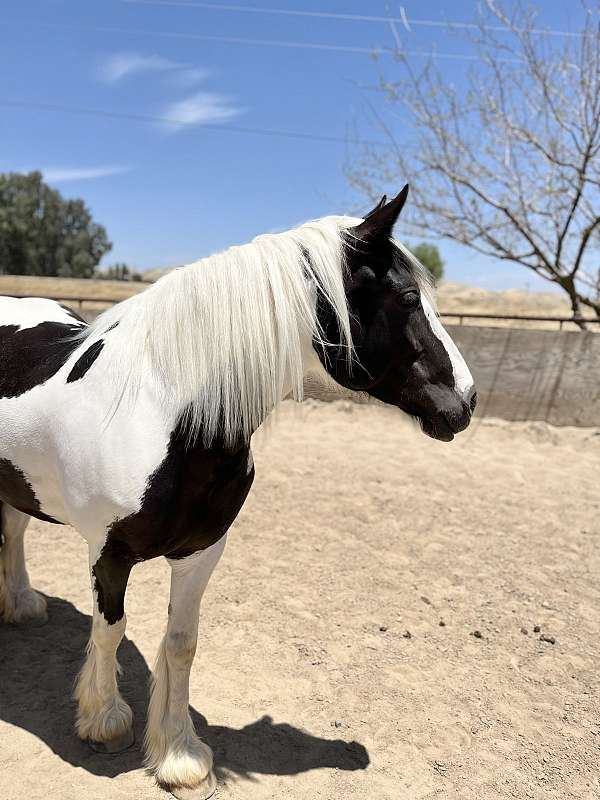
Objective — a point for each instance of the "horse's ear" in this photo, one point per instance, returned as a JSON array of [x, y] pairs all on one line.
[[379, 205], [380, 222]]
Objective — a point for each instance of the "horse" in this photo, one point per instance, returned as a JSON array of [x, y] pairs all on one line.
[[135, 429]]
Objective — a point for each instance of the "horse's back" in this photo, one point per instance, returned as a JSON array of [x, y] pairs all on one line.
[[37, 336], [28, 312]]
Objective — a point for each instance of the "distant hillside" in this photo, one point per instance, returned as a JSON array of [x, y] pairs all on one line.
[[458, 297]]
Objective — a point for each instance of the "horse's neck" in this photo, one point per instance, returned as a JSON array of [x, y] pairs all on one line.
[[155, 382]]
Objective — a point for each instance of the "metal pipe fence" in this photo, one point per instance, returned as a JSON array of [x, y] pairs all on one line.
[[461, 316]]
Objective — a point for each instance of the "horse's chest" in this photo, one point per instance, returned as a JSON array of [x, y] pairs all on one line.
[[190, 501]]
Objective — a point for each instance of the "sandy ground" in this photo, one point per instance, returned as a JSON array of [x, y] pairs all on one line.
[[307, 683]]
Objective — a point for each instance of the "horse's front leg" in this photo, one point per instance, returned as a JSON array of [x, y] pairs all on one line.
[[181, 762], [103, 718]]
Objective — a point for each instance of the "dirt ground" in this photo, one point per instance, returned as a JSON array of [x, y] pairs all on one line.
[[338, 656]]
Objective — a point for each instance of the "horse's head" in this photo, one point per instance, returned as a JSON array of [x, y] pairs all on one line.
[[404, 356]]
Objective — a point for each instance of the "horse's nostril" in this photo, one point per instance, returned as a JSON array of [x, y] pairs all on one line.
[[473, 402]]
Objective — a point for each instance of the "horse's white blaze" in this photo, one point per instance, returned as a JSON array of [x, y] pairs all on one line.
[[463, 380]]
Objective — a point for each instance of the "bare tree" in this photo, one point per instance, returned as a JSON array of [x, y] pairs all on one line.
[[507, 163]]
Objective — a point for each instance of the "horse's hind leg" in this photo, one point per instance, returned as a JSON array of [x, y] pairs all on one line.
[[18, 601], [103, 718]]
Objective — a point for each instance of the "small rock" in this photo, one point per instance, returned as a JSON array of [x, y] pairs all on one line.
[[407, 635], [537, 628], [337, 723], [383, 628], [477, 634], [545, 638], [524, 631], [442, 624], [426, 600]]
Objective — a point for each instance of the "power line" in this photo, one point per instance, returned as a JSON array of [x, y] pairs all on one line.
[[403, 20], [97, 112], [285, 43]]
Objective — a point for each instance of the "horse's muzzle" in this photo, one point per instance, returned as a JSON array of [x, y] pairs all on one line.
[[449, 421]]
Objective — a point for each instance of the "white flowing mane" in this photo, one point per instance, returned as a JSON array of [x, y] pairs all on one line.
[[224, 336]]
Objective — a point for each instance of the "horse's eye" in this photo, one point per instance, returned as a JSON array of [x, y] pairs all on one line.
[[409, 299]]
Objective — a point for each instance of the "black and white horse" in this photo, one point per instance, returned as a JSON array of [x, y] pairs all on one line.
[[136, 430]]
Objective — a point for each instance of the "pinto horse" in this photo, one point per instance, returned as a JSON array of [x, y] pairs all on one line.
[[136, 430]]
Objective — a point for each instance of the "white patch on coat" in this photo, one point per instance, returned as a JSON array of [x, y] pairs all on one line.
[[27, 312]]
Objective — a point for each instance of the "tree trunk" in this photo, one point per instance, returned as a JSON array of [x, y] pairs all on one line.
[[568, 285]]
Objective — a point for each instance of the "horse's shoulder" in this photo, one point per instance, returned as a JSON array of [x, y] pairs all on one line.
[[190, 500]]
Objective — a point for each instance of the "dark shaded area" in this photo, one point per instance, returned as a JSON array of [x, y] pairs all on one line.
[[38, 666], [85, 361]]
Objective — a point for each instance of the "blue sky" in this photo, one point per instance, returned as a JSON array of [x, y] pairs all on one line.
[[170, 190]]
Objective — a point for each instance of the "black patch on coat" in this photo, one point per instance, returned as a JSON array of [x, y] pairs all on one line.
[[111, 573], [85, 361], [73, 314], [29, 357], [112, 327], [16, 491], [189, 503]]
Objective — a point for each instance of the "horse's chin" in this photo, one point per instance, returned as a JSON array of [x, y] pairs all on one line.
[[436, 428]]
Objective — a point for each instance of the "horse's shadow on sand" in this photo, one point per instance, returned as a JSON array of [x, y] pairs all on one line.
[[37, 671]]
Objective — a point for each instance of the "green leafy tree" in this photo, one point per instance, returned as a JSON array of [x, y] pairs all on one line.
[[430, 257], [42, 233]]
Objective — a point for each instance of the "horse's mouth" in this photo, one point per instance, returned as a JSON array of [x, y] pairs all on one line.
[[437, 427]]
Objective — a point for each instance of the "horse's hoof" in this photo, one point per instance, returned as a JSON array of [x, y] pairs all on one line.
[[117, 745], [202, 792]]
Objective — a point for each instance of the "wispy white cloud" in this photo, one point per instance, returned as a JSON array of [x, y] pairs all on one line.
[[199, 108], [63, 174], [119, 65]]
